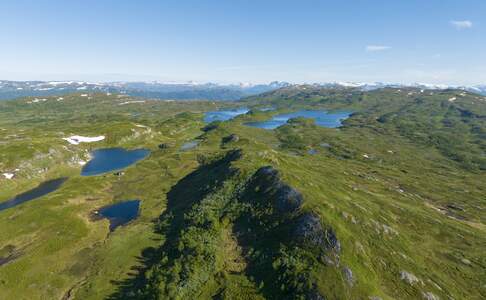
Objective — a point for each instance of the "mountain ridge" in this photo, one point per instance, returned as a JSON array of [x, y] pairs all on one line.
[[192, 90]]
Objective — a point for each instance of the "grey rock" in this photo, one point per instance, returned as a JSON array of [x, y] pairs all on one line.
[[309, 230], [348, 275], [409, 278], [430, 296], [288, 199]]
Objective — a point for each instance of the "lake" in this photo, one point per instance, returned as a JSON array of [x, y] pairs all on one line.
[[37, 192], [321, 117], [120, 213], [224, 115], [112, 159]]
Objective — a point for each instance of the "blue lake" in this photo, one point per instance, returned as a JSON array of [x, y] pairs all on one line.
[[41, 190], [120, 213], [111, 159], [224, 115], [321, 117]]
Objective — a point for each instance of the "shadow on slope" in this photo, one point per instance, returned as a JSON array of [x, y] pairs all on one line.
[[182, 196]]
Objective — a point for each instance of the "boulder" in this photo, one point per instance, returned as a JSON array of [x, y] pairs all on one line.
[[409, 278], [232, 138]]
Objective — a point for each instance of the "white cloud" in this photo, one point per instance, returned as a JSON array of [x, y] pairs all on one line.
[[465, 24], [376, 48]]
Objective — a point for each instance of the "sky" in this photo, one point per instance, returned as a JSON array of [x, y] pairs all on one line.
[[256, 41]]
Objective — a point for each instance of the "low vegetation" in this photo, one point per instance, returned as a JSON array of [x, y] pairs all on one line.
[[389, 206]]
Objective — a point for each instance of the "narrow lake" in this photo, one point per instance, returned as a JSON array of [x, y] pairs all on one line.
[[37, 192], [120, 213], [224, 115], [321, 117], [112, 159]]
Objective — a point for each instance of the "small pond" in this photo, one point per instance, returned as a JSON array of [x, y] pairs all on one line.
[[321, 117], [111, 159], [37, 192], [189, 145], [224, 115], [119, 213]]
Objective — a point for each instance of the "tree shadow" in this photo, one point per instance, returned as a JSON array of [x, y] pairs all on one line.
[[181, 197]]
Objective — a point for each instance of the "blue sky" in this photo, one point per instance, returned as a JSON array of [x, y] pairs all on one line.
[[434, 41]]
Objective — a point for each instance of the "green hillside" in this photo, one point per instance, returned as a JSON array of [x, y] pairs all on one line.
[[389, 206]]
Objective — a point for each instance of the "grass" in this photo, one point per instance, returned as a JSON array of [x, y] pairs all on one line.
[[401, 184]]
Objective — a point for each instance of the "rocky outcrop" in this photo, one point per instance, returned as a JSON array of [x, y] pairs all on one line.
[[163, 146], [283, 197], [309, 230], [288, 199], [232, 138]]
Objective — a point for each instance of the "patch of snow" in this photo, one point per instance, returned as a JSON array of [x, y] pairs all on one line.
[[452, 99], [131, 102], [366, 156], [84, 95], [81, 88], [8, 175], [60, 82], [77, 139]]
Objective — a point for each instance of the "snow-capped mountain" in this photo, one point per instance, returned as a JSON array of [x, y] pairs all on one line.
[[366, 86], [158, 90], [188, 90]]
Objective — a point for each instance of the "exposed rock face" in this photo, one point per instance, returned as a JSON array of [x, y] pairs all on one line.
[[309, 230], [288, 199], [267, 178], [234, 155], [285, 199], [230, 138], [164, 146]]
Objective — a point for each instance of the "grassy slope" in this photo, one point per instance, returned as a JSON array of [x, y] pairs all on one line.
[[411, 206]]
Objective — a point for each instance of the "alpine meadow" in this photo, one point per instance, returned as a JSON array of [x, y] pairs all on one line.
[[144, 156]]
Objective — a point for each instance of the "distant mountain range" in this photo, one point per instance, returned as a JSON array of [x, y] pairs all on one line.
[[157, 90], [185, 90], [479, 89]]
